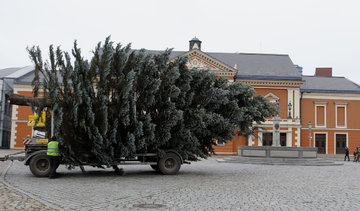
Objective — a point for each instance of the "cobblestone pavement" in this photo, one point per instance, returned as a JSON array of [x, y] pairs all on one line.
[[11, 199], [204, 185]]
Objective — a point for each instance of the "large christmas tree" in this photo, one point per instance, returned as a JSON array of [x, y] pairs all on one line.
[[125, 102]]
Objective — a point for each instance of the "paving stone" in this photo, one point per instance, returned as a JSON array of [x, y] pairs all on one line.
[[11, 199], [204, 185]]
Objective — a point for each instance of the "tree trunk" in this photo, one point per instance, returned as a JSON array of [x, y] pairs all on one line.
[[16, 99]]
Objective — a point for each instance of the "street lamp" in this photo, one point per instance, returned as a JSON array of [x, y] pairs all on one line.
[[289, 106], [310, 125]]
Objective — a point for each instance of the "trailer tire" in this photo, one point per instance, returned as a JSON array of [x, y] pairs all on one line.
[[40, 165], [169, 164]]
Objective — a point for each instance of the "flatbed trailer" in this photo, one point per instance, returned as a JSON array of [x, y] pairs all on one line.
[[35, 151], [35, 157]]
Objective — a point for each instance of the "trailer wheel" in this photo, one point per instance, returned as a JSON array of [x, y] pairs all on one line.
[[169, 164], [40, 165]]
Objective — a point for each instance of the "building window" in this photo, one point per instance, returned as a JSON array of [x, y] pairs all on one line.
[[283, 139], [7, 106], [320, 116], [340, 116], [267, 139], [321, 143], [220, 143], [340, 143]]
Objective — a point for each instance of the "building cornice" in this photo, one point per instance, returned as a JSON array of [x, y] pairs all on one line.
[[23, 87], [331, 96], [277, 83], [330, 91]]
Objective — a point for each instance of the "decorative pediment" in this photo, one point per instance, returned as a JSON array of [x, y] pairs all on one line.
[[198, 63], [201, 60], [271, 97]]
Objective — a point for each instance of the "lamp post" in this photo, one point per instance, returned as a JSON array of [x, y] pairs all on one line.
[[310, 125], [289, 107]]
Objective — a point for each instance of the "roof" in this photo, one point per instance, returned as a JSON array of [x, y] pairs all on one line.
[[15, 72], [195, 39], [27, 78], [173, 54], [328, 85], [254, 66], [250, 66], [7, 71], [260, 66], [21, 72]]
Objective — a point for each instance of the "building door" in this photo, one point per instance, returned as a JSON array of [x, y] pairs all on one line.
[[267, 139], [283, 139], [340, 143], [320, 143]]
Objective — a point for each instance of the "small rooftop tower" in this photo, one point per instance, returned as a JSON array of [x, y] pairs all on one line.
[[195, 43]]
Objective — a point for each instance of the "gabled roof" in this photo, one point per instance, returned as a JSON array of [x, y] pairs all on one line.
[[328, 85], [253, 66]]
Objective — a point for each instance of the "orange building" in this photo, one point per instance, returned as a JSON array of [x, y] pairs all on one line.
[[328, 102], [331, 105]]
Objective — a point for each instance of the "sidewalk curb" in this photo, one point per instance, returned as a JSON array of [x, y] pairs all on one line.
[[3, 180]]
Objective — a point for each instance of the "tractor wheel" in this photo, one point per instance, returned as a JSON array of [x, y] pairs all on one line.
[[40, 165]]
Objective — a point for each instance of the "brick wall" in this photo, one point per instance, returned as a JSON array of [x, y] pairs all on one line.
[[22, 116]]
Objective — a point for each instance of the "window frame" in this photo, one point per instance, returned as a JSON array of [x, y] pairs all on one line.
[[316, 123], [326, 141], [347, 139], [345, 115]]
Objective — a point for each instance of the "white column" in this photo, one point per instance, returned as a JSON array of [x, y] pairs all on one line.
[[290, 100], [260, 136], [297, 137], [13, 125], [250, 142], [296, 103], [289, 138]]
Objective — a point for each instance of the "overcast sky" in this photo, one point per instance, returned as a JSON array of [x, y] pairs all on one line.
[[314, 33]]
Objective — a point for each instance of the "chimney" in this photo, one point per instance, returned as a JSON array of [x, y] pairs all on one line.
[[195, 43], [323, 71]]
